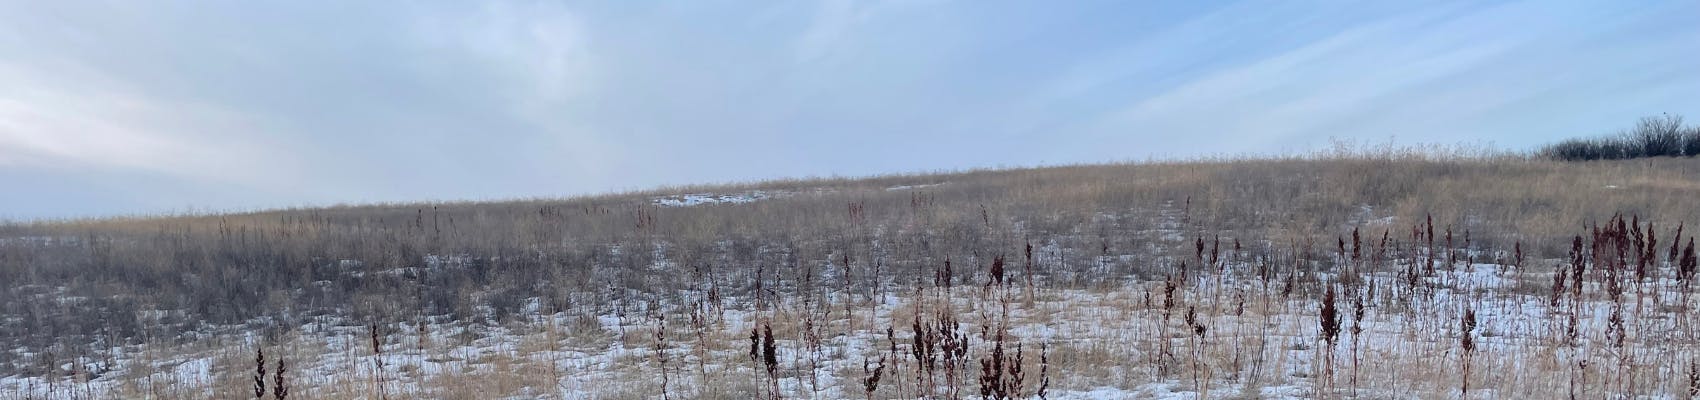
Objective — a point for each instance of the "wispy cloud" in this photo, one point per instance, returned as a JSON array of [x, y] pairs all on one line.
[[60, 115], [1413, 75]]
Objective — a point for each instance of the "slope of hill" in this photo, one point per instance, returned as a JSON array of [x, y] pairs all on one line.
[[1230, 278]]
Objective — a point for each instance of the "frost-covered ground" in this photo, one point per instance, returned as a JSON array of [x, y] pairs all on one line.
[[1260, 340], [1243, 325]]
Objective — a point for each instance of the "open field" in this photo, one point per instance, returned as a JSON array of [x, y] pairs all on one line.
[[1386, 275]]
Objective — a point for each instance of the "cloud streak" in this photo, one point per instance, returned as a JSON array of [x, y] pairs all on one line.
[[74, 118]]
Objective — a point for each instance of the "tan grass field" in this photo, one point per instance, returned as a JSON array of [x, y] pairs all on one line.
[[1146, 280]]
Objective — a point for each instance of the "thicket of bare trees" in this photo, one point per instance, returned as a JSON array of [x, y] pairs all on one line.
[[1658, 136]]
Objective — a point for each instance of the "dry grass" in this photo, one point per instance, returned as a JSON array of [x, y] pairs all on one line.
[[1104, 238]]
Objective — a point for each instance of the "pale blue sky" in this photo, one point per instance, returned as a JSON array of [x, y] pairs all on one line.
[[149, 106]]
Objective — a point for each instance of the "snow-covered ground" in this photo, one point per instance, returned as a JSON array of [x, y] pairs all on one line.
[[1238, 327], [697, 199], [1117, 343], [913, 187]]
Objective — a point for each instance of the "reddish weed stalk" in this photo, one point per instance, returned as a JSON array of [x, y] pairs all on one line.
[[1467, 342], [1329, 319]]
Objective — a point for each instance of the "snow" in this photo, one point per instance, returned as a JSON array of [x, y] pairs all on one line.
[[697, 199], [1075, 318], [913, 187], [1515, 324]]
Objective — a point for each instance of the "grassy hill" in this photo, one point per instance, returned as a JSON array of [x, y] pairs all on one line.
[[1138, 279]]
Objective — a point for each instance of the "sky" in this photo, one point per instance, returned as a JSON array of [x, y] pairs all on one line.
[[126, 107]]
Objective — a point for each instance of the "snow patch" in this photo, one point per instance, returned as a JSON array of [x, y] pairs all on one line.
[[697, 199], [912, 187]]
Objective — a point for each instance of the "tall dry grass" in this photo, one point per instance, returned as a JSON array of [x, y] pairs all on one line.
[[822, 261]]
